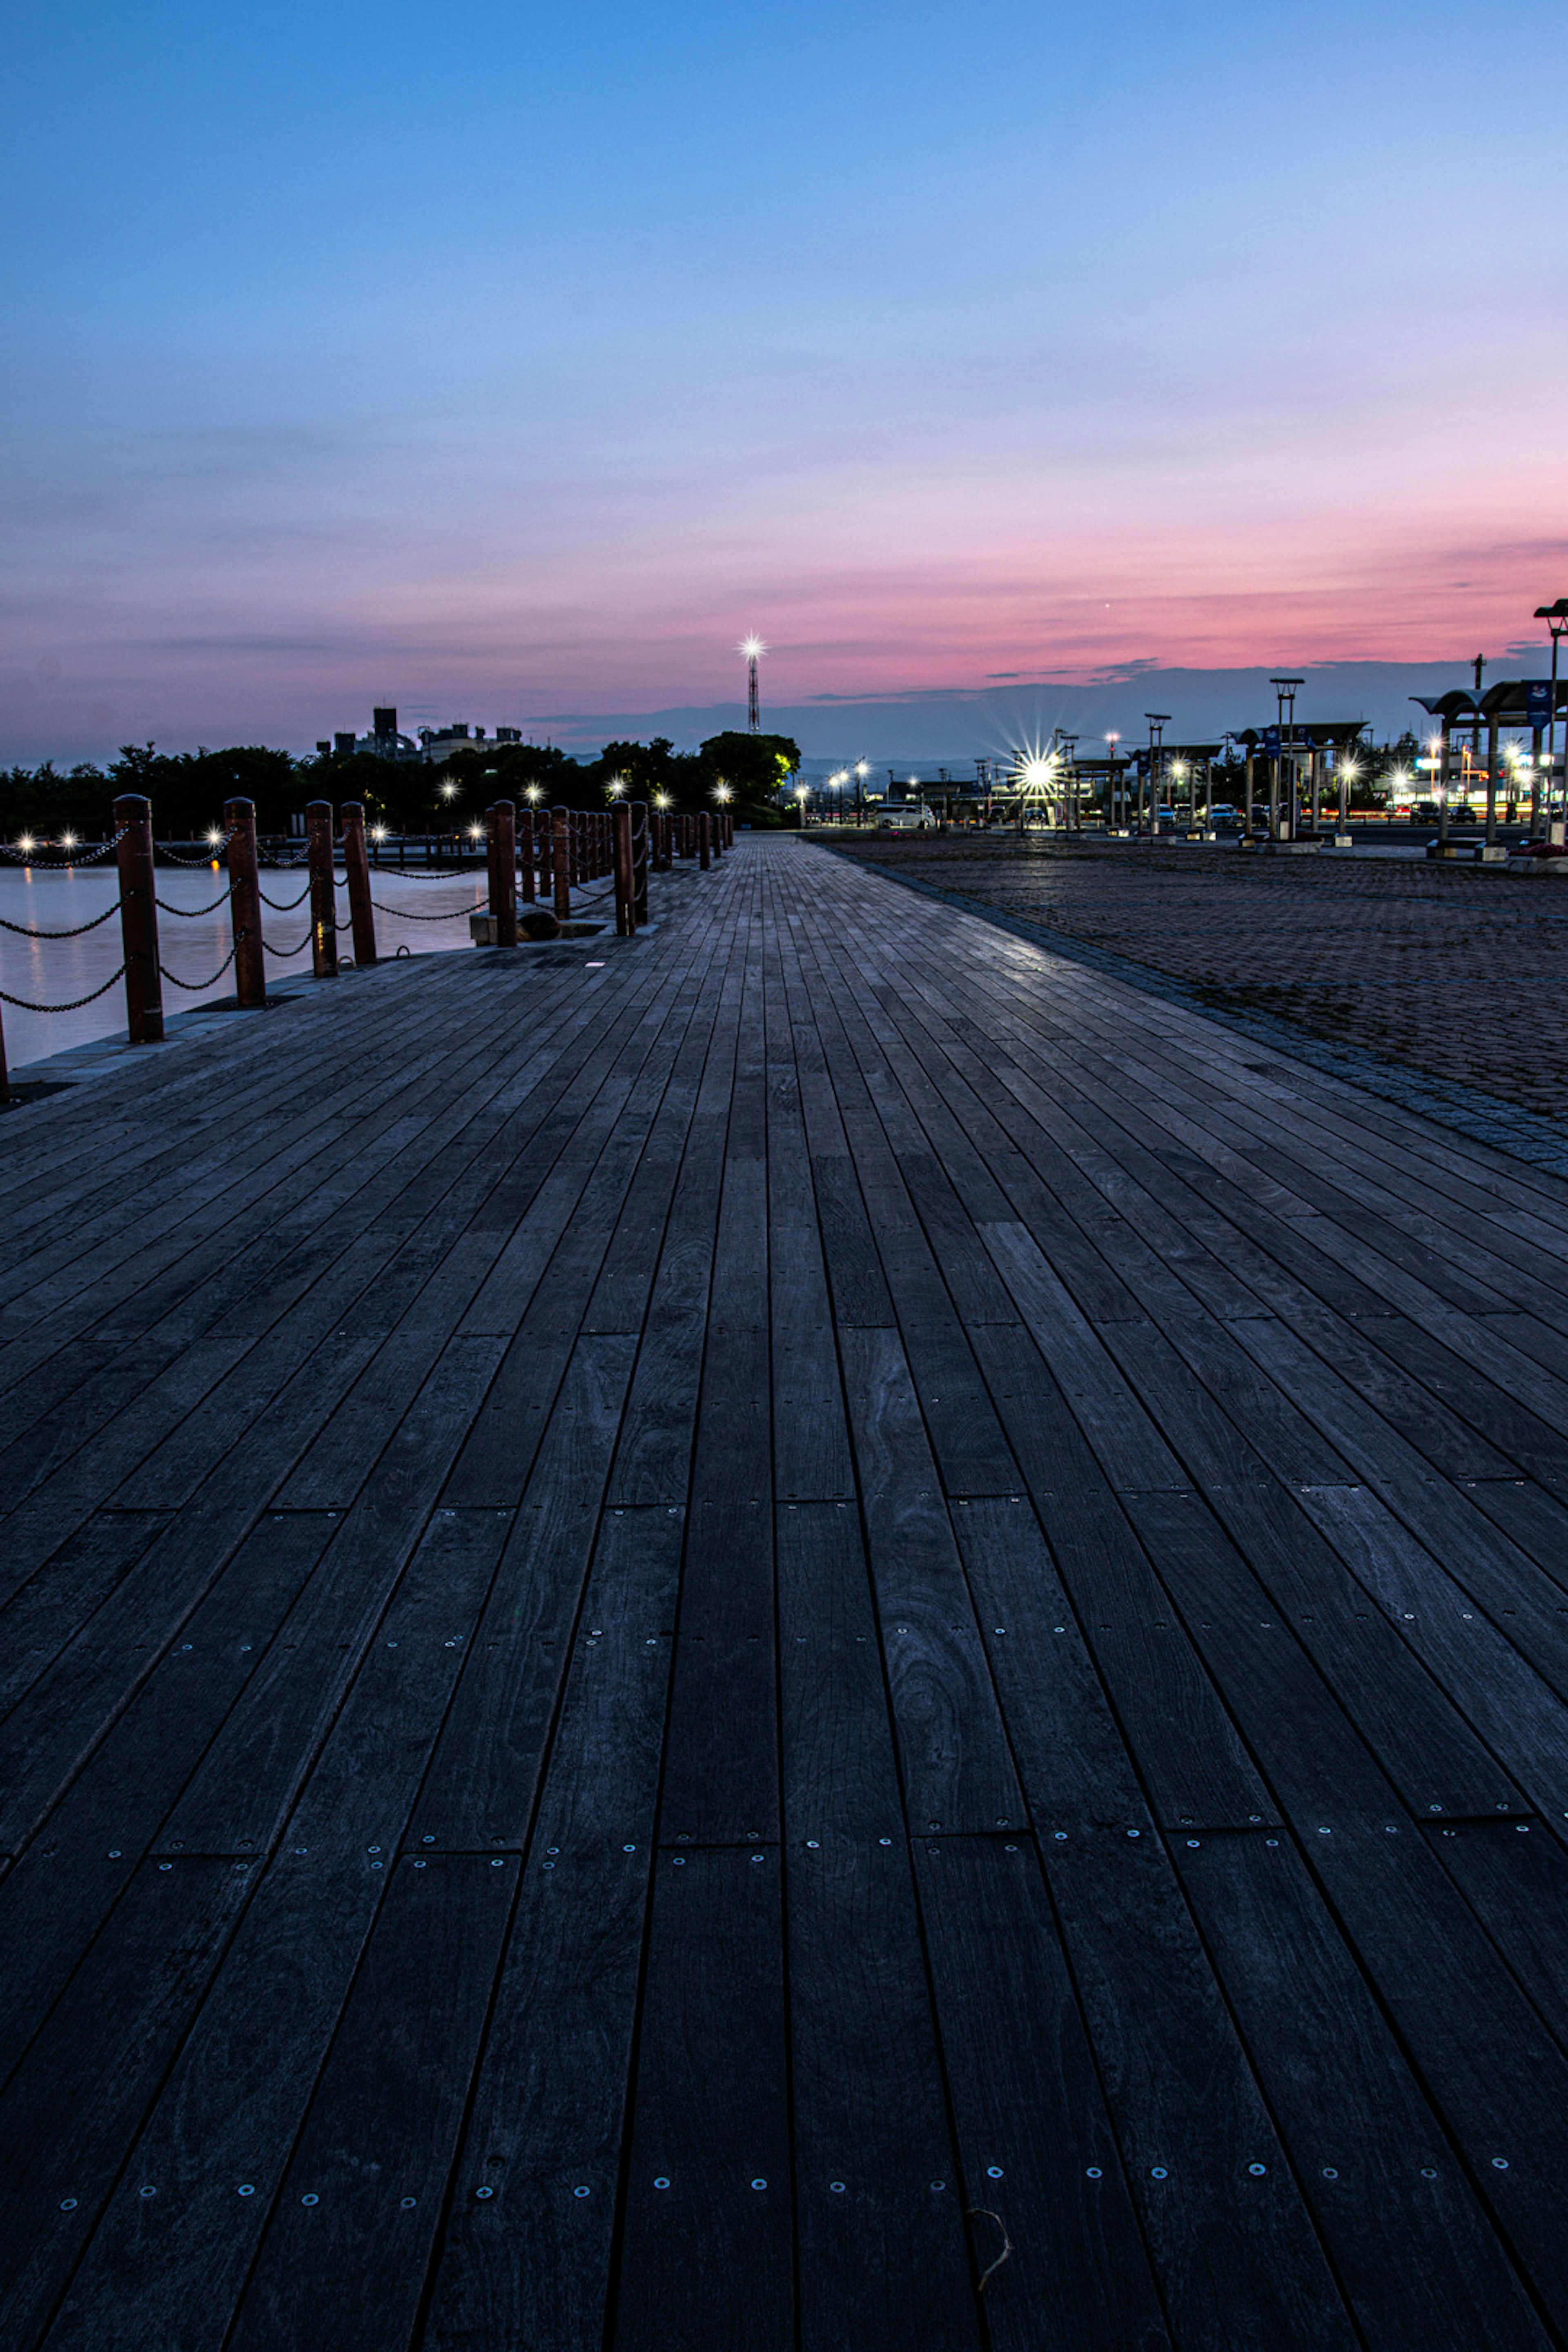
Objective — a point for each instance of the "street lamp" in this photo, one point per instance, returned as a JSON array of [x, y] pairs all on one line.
[[1158, 723], [1111, 740], [721, 793], [1556, 619], [616, 788], [1285, 700]]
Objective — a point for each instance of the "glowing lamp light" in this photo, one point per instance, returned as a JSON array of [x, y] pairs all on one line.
[[378, 833], [617, 787], [751, 648], [662, 801], [722, 793], [803, 792], [448, 791], [214, 835], [26, 843], [68, 841], [533, 791], [474, 831], [1036, 773]]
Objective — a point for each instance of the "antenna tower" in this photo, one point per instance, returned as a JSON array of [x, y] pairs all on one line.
[[751, 649]]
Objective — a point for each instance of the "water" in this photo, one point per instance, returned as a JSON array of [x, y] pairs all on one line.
[[57, 972]]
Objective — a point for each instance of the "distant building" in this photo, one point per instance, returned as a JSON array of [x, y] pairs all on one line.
[[437, 743], [434, 745]]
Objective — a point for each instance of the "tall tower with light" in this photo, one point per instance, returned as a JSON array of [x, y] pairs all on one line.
[[752, 650]]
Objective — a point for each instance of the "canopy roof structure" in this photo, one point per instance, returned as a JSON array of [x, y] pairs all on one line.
[[1503, 704]]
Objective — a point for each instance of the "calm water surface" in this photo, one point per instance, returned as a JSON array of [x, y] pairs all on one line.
[[192, 946]]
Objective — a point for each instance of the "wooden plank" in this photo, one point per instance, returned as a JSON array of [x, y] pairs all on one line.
[[531, 2262], [374, 2154], [1037, 2146], [170, 2270], [707, 2251], [1413, 2248], [958, 1772], [71, 2109], [1232, 2247]]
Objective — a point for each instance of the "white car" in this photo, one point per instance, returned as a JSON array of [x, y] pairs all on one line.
[[907, 820]]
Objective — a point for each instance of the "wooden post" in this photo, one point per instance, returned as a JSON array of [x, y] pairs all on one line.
[[5, 1073], [356, 865], [323, 903], [639, 815], [500, 852], [245, 906], [139, 920], [626, 877], [704, 836], [529, 858], [561, 861]]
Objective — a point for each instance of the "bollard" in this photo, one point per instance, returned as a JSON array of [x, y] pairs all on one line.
[[661, 843], [625, 878], [139, 920], [704, 851], [323, 903], [501, 860], [639, 814], [356, 865], [529, 857], [561, 861], [245, 906]]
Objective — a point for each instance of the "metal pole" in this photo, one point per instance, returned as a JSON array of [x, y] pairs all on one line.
[[625, 878], [1442, 781], [139, 920], [1492, 777], [1250, 758], [245, 906], [323, 905], [561, 861], [356, 867]]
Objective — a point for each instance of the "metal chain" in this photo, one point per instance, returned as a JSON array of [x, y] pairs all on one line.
[[282, 905], [285, 953], [24, 930], [74, 1006], [453, 914], [190, 911], [195, 986], [89, 857], [222, 843]]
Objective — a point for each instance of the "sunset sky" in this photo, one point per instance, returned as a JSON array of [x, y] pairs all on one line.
[[510, 359]]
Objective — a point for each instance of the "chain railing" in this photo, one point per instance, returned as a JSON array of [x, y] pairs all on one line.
[[575, 859]]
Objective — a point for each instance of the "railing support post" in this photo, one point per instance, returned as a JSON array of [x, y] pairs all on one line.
[[356, 865], [323, 905], [529, 854], [641, 816], [500, 852], [704, 841], [625, 876], [245, 906], [139, 920], [561, 861]]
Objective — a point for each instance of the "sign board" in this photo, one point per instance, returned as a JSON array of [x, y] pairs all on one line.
[[1270, 740], [1538, 701]]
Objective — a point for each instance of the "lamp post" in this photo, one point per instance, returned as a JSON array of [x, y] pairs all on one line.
[[1111, 740], [1158, 723], [1556, 619], [1285, 699]]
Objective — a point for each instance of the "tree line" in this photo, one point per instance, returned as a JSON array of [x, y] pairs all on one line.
[[188, 789]]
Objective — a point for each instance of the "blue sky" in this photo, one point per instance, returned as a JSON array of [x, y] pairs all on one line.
[[511, 361]]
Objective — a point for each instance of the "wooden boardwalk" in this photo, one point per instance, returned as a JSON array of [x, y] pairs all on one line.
[[690, 1643]]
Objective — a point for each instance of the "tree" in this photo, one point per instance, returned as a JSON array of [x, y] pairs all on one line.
[[755, 767]]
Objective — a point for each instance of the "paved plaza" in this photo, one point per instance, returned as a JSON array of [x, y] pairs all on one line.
[[1453, 970]]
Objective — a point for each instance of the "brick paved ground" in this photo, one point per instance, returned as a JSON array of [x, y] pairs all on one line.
[[1449, 970]]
